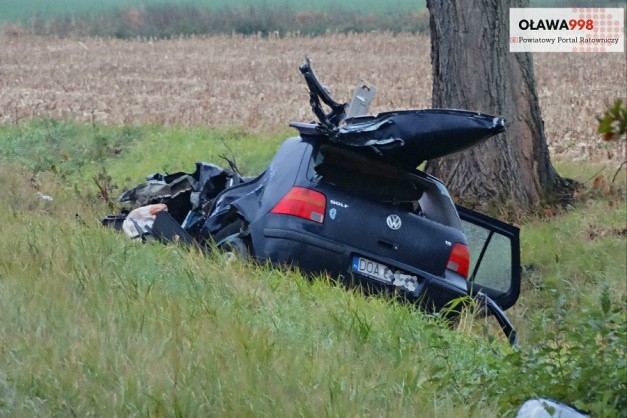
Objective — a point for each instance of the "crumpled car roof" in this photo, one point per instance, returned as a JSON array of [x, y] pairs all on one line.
[[406, 138]]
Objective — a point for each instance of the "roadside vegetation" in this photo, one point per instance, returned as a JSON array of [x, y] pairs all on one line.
[[94, 324]]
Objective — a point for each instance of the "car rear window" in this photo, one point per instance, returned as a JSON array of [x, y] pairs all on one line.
[[364, 177], [382, 182]]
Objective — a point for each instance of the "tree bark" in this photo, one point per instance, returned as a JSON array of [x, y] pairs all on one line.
[[473, 69]]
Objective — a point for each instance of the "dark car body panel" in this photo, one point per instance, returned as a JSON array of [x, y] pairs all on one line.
[[407, 138]]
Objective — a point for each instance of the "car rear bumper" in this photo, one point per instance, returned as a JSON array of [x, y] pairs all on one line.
[[315, 254]]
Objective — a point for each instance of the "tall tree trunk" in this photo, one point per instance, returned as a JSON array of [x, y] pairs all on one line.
[[473, 69]]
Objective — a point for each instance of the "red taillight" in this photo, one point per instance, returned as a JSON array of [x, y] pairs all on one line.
[[459, 260], [304, 203]]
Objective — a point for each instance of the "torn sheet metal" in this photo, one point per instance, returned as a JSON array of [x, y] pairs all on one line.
[[158, 187], [182, 191], [409, 137], [188, 198]]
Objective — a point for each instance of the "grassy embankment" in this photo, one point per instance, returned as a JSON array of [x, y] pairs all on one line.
[[93, 324]]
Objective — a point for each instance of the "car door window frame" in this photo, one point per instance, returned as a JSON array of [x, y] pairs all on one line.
[[512, 233]]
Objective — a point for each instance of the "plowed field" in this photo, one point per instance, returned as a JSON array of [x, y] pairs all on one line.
[[254, 83]]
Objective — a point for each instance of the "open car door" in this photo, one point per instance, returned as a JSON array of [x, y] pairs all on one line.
[[494, 257], [494, 272]]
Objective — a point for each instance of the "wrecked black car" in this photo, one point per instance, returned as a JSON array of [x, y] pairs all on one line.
[[345, 198]]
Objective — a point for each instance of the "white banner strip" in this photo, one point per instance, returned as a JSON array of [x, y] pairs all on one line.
[[577, 29]]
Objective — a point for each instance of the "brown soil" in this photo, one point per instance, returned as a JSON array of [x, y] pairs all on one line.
[[254, 83]]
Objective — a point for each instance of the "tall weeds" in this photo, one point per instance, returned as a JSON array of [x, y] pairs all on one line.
[[94, 324]]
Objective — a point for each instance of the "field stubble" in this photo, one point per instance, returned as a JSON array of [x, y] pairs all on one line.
[[254, 83]]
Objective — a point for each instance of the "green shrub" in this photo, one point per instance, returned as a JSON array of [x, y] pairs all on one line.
[[613, 123]]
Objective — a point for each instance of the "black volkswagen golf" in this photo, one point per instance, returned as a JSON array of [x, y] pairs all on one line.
[[345, 197]]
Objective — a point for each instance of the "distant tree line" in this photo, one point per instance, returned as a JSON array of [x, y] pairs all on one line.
[[170, 20], [166, 21]]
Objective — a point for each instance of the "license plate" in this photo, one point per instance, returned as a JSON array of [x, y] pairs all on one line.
[[384, 274], [372, 269]]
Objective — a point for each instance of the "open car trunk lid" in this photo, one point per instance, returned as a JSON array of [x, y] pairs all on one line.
[[406, 138]]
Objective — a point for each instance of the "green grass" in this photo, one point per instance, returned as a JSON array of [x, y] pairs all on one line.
[[78, 153], [182, 147], [93, 324]]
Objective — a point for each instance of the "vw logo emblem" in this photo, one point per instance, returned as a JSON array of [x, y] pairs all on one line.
[[394, 222]]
